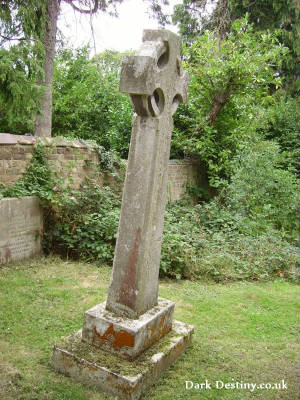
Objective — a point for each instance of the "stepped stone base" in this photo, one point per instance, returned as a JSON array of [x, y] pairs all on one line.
[[124, 336], [127, 379]]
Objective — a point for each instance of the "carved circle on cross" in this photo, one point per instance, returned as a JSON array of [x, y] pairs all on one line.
[[154, 76]]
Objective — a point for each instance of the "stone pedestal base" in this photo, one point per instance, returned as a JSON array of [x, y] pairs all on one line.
[[124, 336], [127, 379]]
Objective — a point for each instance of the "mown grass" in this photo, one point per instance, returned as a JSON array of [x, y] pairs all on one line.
[[243, 331]]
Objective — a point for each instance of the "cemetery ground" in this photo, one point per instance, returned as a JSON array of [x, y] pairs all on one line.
[[245, 331]]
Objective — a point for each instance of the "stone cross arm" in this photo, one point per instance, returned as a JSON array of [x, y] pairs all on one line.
[[154, 76]]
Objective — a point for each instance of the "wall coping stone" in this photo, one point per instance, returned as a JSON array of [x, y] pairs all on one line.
[[8, 138]]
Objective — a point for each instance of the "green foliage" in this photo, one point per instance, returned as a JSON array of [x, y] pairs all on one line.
[[22, 27], [19, 93], [22, 33], [244, 257], [38, 179], [87, 103], [262, 193], [181, 241], [189, 16], [260, 197], [228, 93], [203, 242], [194, 17], [78, 222], [284, 127], [83, 223], [248, 231], [281, 15], [22, 20], [241, 234]]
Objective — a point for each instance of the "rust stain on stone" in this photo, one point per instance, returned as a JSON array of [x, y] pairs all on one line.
[[127, 292], [159, 329], [162, 322], [118, 339]]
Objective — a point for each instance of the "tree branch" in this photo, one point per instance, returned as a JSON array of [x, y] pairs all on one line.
[[83, 11], [12, 38]]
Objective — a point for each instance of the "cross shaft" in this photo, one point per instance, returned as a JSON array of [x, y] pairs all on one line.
[[156, 83]]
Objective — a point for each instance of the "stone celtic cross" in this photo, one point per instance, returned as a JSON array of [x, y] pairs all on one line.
[[156, 82], [133, 317]]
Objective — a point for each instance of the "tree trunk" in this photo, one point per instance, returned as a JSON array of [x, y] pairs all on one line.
[[219, 100], [43, 121]]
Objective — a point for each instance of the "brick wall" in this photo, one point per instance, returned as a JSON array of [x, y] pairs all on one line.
[[75, 160]]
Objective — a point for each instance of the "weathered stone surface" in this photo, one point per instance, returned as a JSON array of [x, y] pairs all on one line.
[[7, 138], [132, 323], [157, 84], [182, 173], [21, 222], [124, 336], [126, 379], [154, 76]]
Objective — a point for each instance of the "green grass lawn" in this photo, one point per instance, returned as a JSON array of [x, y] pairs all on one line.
[[243, 332]]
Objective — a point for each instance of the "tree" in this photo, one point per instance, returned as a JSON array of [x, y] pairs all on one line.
[[194, 17], [21, 28], [228, 93], [44, 119], [35, 23], [87, 103]]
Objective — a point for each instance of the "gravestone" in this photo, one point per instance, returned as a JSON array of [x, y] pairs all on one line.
[[130, 325], [21, 228]]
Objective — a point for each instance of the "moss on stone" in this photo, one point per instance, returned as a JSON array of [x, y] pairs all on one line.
[[142, 364]]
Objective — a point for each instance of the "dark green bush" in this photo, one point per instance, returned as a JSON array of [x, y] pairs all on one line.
[[262, 192], [83, 223]]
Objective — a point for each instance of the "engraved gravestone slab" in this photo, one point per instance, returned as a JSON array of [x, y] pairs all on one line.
[[21, 227]]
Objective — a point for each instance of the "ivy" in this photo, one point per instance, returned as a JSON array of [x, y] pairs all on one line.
[[38, 179]]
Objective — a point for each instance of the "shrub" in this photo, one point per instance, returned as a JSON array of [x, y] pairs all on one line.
[[38, 179], [83, 223], [212, 248], [262, 193], [78, 223], [229, 93], [284, 127]]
